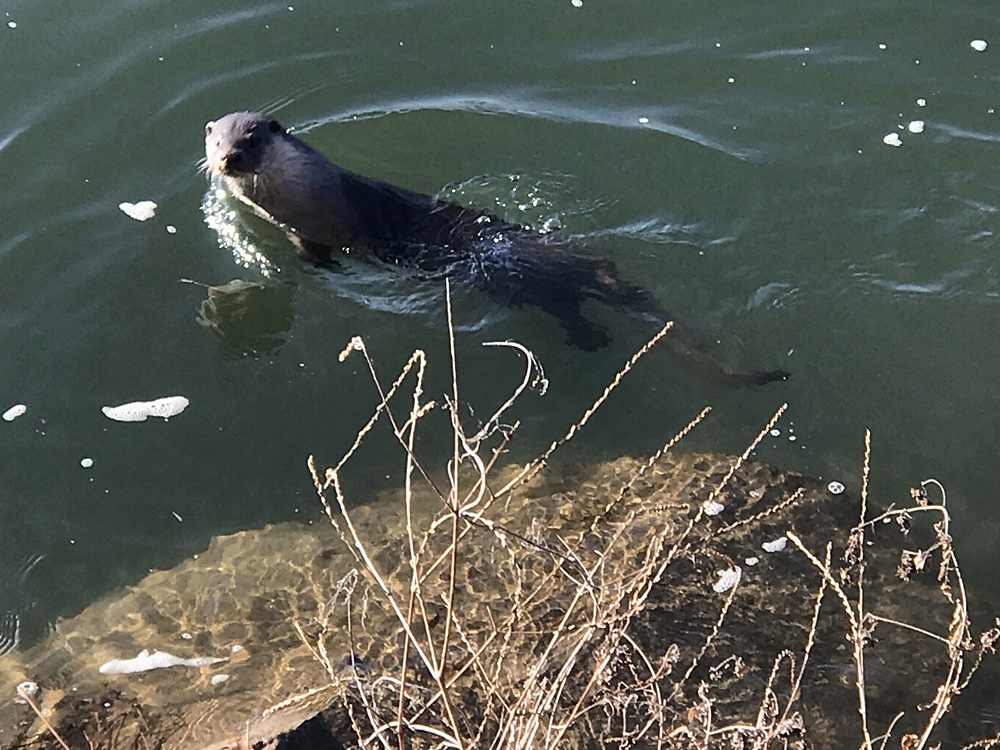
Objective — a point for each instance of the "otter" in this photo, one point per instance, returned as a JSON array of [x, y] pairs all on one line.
[[326, 209]]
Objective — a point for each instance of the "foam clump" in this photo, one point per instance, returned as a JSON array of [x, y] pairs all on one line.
[[776, 546], [14, 412], [139, 411], [147, 661], [727, 579], [141, 211]]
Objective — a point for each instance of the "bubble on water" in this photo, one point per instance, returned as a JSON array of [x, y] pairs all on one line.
[[892, 139], [835, 488], [978, 44], [915, 126]]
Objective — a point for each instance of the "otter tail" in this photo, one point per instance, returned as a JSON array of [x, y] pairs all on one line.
[[558, 282], [622, 295]]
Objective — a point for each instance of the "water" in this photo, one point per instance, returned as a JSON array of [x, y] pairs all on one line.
[[731, 159]]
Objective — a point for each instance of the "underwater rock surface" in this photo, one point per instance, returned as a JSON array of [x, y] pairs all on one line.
[[269, 627]]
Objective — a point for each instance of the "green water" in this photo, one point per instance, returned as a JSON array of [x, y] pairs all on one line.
[[728, 157]]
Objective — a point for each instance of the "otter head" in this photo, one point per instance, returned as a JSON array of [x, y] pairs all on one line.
[[236, 144]]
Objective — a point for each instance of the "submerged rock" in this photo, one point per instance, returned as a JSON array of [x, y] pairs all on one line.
[[278, 625]]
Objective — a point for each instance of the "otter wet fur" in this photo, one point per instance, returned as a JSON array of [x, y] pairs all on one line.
[[327, 210]]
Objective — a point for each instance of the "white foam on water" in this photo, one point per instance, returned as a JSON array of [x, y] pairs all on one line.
[[712, 508], [727, 579], [139, 411], [146, 661], [776, 546], [14, 412], [141, 211]]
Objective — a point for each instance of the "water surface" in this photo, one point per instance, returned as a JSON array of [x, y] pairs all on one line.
[[729, 158]]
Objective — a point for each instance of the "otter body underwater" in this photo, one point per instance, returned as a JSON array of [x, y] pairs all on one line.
[[327, 210]]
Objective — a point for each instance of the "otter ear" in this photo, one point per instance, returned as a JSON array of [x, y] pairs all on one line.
[[275, 127], [208, 128]]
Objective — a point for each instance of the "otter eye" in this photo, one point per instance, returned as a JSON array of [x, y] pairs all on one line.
[[275, 127]]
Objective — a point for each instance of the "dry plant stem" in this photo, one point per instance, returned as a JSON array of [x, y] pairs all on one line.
[[369, 709], [859, 650], [539, 462], [958, 630], [308, 644], [989, 742], [649, 463], [505, 629], [533, 368], [810, 640], [415, 597], [888, 732], [454, 492], [408, 493], [379, 581], [321, 492], [856, 635], [418, 357], [616, 632], [773, 510], [358, 344], [548, 701], [38, 712], [746, 453], [681, 545], [291, 701], [651, 578], [711, 636], [448, 740], [907, 626], [769, 700], [429, 657], [561, 631]]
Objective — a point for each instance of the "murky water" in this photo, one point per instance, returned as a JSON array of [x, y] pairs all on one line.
[[730, 158]]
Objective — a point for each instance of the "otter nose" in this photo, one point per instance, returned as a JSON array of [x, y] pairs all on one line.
[[232, 162]]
